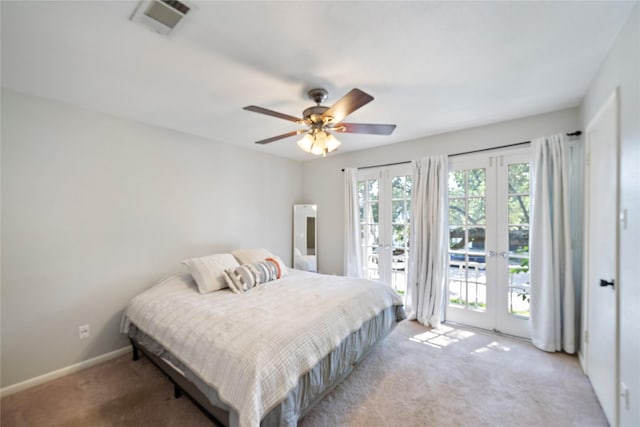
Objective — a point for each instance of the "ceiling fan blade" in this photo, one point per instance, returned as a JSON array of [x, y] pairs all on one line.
[[371, 129], [272, 113], [348, 104], [284, 135]]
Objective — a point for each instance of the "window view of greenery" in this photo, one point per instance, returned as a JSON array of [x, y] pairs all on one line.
[[467, 221], [519, 210], [400, 226], [369, 205], [467, 257]]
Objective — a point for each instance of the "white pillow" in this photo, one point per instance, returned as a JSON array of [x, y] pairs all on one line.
[[208, 271], [249, 256]]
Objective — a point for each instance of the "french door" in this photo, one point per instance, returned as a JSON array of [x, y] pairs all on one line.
[[385, 205], [489, 208]]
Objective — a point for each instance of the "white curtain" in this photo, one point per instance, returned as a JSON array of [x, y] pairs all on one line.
[[553, 290], [352, 246], [428, 240]]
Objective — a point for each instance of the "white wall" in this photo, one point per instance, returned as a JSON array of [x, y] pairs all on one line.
[[622, 69], [95, 209], [323, 179]]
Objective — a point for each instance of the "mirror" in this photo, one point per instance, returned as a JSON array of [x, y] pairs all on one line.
[[304, 237]]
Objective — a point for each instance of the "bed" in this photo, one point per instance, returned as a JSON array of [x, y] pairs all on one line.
[[265, 356]]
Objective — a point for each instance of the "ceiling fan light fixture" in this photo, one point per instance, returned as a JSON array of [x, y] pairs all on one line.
[[318, 142], [306, 142], [332, 143]]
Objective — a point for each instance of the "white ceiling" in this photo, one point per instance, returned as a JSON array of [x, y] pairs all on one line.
[[432, 67]]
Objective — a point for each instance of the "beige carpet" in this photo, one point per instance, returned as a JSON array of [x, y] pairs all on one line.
[[416, 377]]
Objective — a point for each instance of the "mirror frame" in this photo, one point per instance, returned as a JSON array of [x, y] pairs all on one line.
[[305, 237]]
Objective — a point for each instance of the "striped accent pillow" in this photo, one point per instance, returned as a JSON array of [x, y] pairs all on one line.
[[244, 277]]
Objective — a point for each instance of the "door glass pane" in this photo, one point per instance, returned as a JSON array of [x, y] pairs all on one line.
[[518, 295], [371, 261], [467, 285], [467, 258], [457, 183], [398, 236], [456, 239], [398, 213], [457, 211], [477, 210], [477, 182], [372, 186], [370, 232], [456, 297], [400, 257], [361, 192], [519, 209], [519, 178], [519, 240], [400, 205], [519, 205], [372, 214], [475, 247], [371, 238], [397, 187]]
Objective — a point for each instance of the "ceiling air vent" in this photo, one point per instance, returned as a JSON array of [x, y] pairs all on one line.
[[162, 16]]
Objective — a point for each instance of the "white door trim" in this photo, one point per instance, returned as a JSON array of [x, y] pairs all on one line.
[[497, 242], [611, 101]]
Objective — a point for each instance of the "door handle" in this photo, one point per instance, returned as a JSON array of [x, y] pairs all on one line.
[[604, 283]]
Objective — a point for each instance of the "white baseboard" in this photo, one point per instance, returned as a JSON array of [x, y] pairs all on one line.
[[14, 388], [583, 363]]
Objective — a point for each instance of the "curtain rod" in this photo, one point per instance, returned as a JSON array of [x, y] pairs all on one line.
[[576, 133]]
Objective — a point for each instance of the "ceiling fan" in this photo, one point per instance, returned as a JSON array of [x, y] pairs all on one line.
[[321, 121]]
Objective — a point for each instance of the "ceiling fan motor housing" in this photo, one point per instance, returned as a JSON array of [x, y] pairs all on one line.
[[313, 115], [318, 95]]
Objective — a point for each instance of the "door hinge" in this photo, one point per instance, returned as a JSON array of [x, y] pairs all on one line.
[[624, 394]]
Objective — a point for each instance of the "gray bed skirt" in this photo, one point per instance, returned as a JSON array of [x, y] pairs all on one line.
[[311, 388]]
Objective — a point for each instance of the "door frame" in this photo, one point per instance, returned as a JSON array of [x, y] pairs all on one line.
[[485, 319], [496, 243], [385, 241], [517, 326]]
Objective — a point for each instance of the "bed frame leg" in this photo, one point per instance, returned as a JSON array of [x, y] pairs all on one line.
[[136, 355], [177, 391]]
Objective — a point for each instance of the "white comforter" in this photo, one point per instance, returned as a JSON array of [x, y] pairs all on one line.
[[253, 347]]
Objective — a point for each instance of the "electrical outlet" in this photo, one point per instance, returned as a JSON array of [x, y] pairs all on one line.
[[83, 331]]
